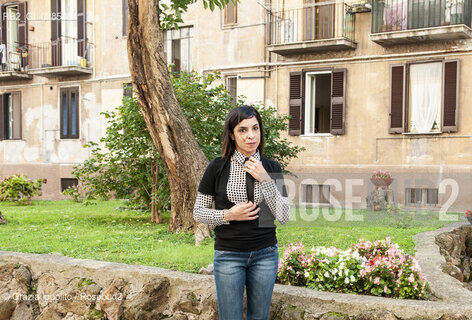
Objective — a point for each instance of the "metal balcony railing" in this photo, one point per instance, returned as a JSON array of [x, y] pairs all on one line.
[[317, 21], [397, 15], [62, 52], [13, 58]]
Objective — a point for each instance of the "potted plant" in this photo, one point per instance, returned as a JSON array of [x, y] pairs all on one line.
[[468, 215], [381, 178]]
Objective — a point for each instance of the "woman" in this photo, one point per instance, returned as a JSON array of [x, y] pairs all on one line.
[[246, 198]]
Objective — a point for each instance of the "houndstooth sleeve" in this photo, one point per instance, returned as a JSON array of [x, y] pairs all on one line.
[[203, 212], [278, 204]]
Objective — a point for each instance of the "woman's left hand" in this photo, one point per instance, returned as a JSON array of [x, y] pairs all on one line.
[[255, 169]]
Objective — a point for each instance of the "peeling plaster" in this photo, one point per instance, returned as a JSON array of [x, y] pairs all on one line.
[[31, 154], [71, 151], [12, 151]]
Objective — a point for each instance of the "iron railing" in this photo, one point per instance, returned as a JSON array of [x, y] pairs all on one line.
[[13, 58], [315, 21], [61, 52], [397, 15]]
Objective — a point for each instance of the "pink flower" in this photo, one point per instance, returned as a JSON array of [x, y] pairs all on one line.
[[385, 289], [377, 281], [411, 278]]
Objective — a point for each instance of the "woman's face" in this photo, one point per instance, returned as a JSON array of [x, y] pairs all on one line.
[[247, 136]]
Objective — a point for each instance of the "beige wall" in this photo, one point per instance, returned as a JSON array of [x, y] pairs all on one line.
[[41, 153], [240, 51]]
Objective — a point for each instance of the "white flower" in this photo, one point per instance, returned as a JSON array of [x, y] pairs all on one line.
[[307, 274], [326, 274], [353, 279], [346, 281]]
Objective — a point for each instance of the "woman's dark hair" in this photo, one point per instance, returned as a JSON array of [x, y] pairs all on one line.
[[233, 118]]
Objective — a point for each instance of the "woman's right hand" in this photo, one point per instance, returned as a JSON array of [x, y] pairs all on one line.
[[243, 211]]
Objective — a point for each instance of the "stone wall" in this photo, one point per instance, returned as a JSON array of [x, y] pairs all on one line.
[[456, 247], [50, 287]]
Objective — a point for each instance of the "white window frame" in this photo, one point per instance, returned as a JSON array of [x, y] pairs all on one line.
[[308, 97]]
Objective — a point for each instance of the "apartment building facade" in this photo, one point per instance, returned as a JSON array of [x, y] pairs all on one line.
[[369, 85], [59, 70]]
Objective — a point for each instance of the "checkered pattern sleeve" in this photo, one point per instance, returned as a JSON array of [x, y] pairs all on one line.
[[279, 205], [203, 212]]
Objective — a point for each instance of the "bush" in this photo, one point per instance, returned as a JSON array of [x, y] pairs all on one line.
[[378, 268], [20, 189], [122, 165]]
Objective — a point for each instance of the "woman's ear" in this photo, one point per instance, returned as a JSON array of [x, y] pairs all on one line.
[[231, 136]]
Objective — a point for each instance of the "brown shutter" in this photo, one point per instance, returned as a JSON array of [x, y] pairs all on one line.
[[3, 25], [451, 93], [3, 127], [397, 98], [23, 24], [81, 30], [56, 33], [338, 101], [125, 18], [295, 104]]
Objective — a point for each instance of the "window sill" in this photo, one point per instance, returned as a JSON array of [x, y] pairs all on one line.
[[317, 135], [421, 133], [13, 140]]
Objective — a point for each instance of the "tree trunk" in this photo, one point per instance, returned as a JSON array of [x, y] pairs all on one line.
[[156, 216], [170, 131]]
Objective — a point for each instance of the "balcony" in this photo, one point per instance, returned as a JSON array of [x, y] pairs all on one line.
[[316, 27], [64, 57], [407, 21], [13, 63]]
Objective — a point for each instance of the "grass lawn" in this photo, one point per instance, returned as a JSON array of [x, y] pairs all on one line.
[[100, 232]]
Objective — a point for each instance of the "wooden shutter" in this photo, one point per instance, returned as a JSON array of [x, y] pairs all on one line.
[[451, 93], [16, 115], [295, 104], [81, 30], [3, 25], [338, 101], [22, 24], [397, 98], [124, 17], [56, 47], [3, 127]]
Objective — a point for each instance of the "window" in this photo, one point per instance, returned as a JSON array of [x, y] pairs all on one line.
[[68, 32], [317, 102], [423, 97], [124, 18], [318, 19], [67, 183], [315, 193], [232, 87], [69, 113], [128, 90], [13, 35], [10, 116], [231, 13], [421, 197], [178, 47]]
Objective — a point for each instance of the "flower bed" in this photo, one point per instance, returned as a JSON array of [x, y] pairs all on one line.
[[378, 268]]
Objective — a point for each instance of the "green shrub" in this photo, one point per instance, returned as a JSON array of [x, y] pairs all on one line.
[[20, 189], [122, 164]]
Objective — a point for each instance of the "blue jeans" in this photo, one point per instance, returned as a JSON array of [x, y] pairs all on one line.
[[254, 269]]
